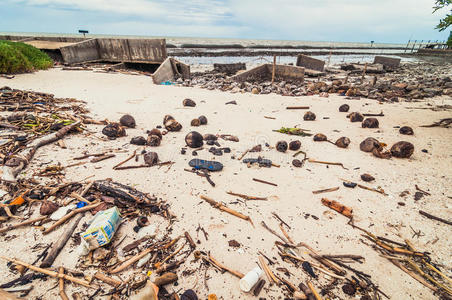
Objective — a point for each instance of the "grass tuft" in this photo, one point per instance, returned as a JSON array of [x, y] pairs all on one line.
[[16, 57]]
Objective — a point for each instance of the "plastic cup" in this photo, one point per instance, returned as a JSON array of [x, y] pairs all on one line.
[[250, 279]]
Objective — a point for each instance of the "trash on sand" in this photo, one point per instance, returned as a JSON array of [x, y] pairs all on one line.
[[293, 131], [250, 279], [208, 165]]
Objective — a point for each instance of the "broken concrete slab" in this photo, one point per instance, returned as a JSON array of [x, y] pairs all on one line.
[[311, 63], [229, 69], [264, 72], [370, 68], [387, 61], [170, 70]]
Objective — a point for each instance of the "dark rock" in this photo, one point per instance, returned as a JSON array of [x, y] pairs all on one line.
[[344, 108], [138, 140], [114, 130], [367, 177], [281, 146], [356, 117], [203, 120], [370, 123], [294, 145], [127, 121], [309, 116], [48, 207], [402, 149], [407, 130], [189, 102], [343, 142], [153, 140], [173, 125], [297, 163], [194, 139], [320, 137], [369, 144], [195, 122], [151, 158]]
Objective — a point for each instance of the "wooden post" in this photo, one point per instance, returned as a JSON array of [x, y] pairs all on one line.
[[364, 72], [274, 69]]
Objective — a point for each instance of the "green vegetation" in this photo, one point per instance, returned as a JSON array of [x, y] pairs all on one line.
[[16, 57], [447, 20]]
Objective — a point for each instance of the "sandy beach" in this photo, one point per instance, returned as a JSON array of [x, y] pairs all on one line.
[[109, 96]]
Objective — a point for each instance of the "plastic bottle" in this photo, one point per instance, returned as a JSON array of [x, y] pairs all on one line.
[[250, 279]]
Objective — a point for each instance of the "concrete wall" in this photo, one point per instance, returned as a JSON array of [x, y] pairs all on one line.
[[387, 61], [170, 70], [289, 72], [310, 63], [265, 72], [85, 51], [255, 73]]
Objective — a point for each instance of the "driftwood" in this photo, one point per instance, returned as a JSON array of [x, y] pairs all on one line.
[[118, 190], [226, 209], [107, 279], [246, 197], [271, 277], [297, 107], [425, 214], [59, 245], [325, 190], [49, 272], [69, 216], [340, 208], [27, 222], [131, 261], [61, 285], [103, 157], [16, 164], [126, 160]]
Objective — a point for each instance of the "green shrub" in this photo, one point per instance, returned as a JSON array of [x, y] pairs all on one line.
[[16, 57]]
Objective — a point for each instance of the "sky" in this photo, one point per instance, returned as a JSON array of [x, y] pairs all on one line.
[[383, 21]]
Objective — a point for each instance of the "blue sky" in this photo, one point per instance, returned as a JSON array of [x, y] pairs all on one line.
[[390, 21]]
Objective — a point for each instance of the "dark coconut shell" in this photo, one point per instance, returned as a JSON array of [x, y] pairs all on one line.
[[402, 149], [380, 154], [48, 207], [367, 177], [127, 121], [151, 158], [407, 130], [369, 144], [203, 120], [309, 116], [167, 118], [294, 145], [138, 140], [344, 108], [343, 142], [189, 295], [194, 139], [173, 125], [156, 132], [189, 102], [281, 146], [320, 137], [356, 117], [153, 140], [370, 123], [195, 122], [210, 137], [114, 130], [297, 163]]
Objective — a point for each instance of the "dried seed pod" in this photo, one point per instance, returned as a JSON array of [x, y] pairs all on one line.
[[127, 121], [167, 118], [203, 120], [195, 122], [297, 163], [173, 125], [48, 207], [343, 142], [189, 102], [407, 130], [151, 158], [344, 108], [294, 145], [138, 140], [320, 137], [378, 152], [281, 146], [355, 117], [369, 144], [194, 139], [156, 132], [370, 123], [402, 149], [309, 116], [153, 140], [114, 130], [367, 177]]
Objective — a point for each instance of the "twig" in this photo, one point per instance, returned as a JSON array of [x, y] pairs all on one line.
[[325, 190], [243, 154], [297, 107], [275, 233], [281, 220], [314, 292], [263, 181], [101, 158], [246, 197], [425, 214], [10, 227], [126, 160], [271, 277], [70, 215], [223, 267], [226, 209], [61, 285], [327, 163]]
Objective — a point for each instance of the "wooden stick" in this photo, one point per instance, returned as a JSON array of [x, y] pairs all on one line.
[[101, 158], [221, 266], [59, 245], [286, 234], [49, 272], [127, 263], [428, 277], [271, 277], [111, 281], [27, 222], [327, 163], [225, 208], [246, 197], [374, 115], [126, 160], [372, 189], [322, 260], [61, 285], [243, 154], [263, 181], [314, 292], [297, 107], [340, 208], [70, 215], [325, 190], [274, 232], [425, 214], [190, 240], [414, 275], [79, 197]]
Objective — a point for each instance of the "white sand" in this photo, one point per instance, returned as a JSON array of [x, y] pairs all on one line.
[[111, 95]]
